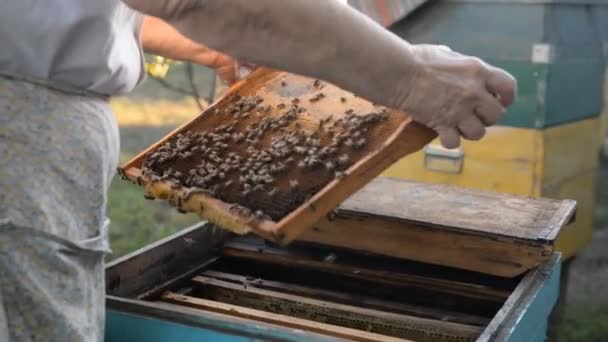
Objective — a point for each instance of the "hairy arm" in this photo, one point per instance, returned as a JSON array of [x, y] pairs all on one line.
[[160, 38], [454, 94]]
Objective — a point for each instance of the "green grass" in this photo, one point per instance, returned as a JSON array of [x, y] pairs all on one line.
[[585, 322], [137, 222]]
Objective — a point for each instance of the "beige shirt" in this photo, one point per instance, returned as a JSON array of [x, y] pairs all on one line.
[[87, 44]]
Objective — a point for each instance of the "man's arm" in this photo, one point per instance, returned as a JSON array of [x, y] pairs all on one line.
[[454, 94], [160, 38]]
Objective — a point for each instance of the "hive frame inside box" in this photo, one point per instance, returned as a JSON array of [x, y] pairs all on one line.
[[132, 296], [408, 137]]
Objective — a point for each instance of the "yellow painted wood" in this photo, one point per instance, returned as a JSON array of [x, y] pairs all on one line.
[[503, 161], [559, 162], [569, 150], [581, 189]]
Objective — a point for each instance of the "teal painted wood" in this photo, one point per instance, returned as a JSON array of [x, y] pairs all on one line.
[[127, 327], [123, 327], [567, 89], [136, 320], [531, 325]]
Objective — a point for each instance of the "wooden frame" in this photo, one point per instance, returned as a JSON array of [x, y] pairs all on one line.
[[408, 137], [481, 231], [523, 312]]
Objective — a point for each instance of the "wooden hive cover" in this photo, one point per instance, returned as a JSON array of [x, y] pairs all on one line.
[[491, 233], [343, 142]]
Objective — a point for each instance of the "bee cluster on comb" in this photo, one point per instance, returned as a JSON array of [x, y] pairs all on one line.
[[262, 157]]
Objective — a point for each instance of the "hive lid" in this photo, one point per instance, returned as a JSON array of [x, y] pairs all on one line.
[[482, 231], [270, 109]]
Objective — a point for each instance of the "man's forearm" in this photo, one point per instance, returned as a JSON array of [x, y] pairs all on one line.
[[456, 95], [319, 38], [160, 38]]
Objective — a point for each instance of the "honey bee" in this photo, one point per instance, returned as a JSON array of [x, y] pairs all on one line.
[[293, 183]]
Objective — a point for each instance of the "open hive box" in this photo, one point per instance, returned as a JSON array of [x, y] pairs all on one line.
[[275, 154], [398, 261]]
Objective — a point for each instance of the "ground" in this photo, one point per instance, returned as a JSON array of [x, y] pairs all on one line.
[[136, 222], [587, 302]]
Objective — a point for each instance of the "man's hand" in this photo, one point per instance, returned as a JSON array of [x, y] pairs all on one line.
[[456, 95]]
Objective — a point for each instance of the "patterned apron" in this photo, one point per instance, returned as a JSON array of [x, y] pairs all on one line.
[[58, 152]]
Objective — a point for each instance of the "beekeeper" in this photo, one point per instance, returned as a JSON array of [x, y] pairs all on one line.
[[61, 60]]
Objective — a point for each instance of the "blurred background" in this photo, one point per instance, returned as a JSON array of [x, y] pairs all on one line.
[[550, 143]]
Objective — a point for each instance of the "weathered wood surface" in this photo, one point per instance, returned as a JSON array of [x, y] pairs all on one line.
[[296, 260], [282, 320], [365, 301], [476, 211], [376, 321], [486, 232]]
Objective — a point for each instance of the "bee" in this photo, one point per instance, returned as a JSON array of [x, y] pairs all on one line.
[[295, 101], [339, 174], [273, 192], [260, 215], [330, 166], [343, 99], [318, 97], [283, 83], [293, 183], [360, 143], [300, 150], [316, 83], [280, 106], [343, 160]]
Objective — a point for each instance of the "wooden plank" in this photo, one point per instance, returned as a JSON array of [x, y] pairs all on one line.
[[286, 321], [376, 321], [351, 299], [405, 240], [280, 257], [480, 212], [159, 311], [141, 270]]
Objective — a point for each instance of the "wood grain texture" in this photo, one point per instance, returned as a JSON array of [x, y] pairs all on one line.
[[376, 321], [481, 231], [482, 212], [282, 320], [365, 301], [297, 260], [474, 252]]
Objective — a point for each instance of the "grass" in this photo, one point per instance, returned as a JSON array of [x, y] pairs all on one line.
[[137, 222], [585, 321]]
